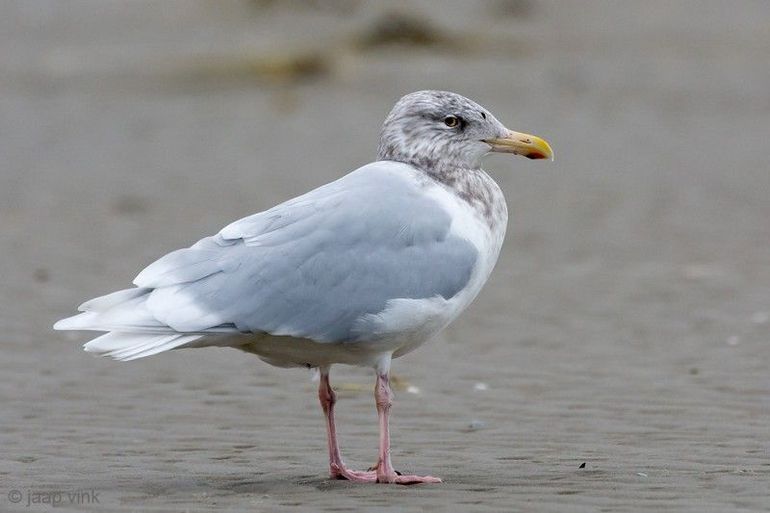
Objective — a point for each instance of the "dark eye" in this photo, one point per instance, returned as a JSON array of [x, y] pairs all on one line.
[[452, 121], [484, 115]]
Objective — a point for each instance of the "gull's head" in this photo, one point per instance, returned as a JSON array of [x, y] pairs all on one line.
[[437, 128]]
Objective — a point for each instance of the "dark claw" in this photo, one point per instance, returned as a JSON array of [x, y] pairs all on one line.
[[370, 469]]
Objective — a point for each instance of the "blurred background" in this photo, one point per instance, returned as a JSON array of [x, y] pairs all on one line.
[[626, 325]]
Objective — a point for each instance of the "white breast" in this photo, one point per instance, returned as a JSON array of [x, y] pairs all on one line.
[[429, 316]]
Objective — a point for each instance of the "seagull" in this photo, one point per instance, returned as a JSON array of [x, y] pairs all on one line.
[[359, 271]]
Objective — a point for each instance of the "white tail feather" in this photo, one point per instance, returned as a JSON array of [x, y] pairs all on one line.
[[130, 346], [134, 332]]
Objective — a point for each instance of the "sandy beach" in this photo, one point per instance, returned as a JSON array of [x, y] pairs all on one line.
[[626, 326]]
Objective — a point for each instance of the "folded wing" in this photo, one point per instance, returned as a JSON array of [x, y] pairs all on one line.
[[309, 267]]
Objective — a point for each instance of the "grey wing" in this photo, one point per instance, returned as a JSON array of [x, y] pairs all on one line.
[[313, 266]]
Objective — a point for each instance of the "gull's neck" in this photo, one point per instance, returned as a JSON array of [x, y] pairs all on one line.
[[472, 185]]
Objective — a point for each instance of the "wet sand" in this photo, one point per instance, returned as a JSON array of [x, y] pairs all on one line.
[[625, 327]]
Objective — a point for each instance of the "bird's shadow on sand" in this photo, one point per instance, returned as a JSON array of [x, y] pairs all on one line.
[[180, 489]]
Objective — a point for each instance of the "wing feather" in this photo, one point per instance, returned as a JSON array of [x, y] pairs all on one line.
[[310, 267]]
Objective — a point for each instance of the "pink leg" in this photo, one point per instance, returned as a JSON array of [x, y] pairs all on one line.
[[384, 468], [337, 467]]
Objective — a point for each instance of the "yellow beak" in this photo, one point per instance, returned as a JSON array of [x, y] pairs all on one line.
[[529, 146]]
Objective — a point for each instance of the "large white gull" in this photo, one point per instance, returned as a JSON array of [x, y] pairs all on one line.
[[359, 271]]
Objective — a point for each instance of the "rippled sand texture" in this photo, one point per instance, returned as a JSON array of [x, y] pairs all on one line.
[[626, 325]]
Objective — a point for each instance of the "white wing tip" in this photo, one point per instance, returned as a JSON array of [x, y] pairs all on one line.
[[70, 323], [89, 348]]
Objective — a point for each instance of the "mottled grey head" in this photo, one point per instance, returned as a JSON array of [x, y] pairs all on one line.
[[439, 129]]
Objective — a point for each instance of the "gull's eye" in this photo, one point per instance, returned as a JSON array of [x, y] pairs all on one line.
[[452, 121]]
